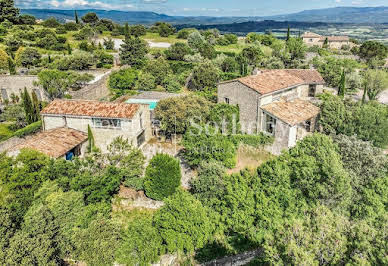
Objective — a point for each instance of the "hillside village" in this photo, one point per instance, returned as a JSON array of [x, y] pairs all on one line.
[[144, 145]]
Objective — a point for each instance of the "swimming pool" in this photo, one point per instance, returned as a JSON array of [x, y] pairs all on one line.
[[151, 103]]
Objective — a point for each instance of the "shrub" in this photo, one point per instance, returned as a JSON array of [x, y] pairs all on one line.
[[368, 121], [145, 82], [204, 143], [177, 51], [163, 177], [175, 113], [204, 75], [183, 223], [123, 80], [28, 130], [141, 242]]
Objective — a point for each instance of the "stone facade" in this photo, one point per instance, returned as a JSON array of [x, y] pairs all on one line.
[[131, 129], [253, 117], [334, 42], [15, 84]]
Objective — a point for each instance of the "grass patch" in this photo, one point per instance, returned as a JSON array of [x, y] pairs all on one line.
[[5, 131], [154, 37], [250, 157]]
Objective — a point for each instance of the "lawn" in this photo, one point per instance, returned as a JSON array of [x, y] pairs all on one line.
[[154, 37], [251, 158], [5, 131]]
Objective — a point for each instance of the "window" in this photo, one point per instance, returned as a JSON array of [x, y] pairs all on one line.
[[270, 124], [311, 40], [141, 120], [227, 100], [106, 123], [312, 90]]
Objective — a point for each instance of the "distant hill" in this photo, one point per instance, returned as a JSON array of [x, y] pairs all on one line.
[[258, 26], [376, 15], [330, 15]]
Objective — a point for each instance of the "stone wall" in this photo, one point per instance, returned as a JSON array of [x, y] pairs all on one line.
[[247, 100], [130, 128], [15, 84], [95, 91], [10, 143]]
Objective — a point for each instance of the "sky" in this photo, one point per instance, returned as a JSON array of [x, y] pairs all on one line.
[[201, 7]]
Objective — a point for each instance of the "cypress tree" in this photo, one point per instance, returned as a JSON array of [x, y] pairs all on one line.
[[76, 17], [326, 43], [11, 66], [364, 94], [90, 140], [69, 49], [28, 106], [342, 85], [288, 33], [126, 31], [36, 106]]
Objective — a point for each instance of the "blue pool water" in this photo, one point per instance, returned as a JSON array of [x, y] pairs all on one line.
[[151, 103]]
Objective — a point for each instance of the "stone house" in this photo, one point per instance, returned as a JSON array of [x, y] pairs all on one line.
[[59, 142], [334, 42], [275, 102], [107, 120], [13, 85]]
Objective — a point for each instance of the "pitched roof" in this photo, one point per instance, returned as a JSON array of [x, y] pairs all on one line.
[[293, 112], [55, 142], [91, 108], [335, 38], [268, 81], [310, 35], [309, 76]]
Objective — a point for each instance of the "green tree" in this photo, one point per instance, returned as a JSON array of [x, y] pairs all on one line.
[[163, 177], [205, 143], [91, 144], [133, 51], [375, 81], [145, 82], [183, 223], [342, 85], [165, 29], [130, 160], [8, 11], [159, 68], [28, 107], [123, 80], [177, 51], [51, 23], [205, 75], [56, 82], [368, 121], [36, 243], [370, 50], [94, 243], [176, 113], [27, 57], [138, 30], [288, 34], [76, 17], [3, 60], [90, 18], [141, 242]]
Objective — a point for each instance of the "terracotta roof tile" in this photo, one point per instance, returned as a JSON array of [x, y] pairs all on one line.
[[268, 81], [310, 35], [335, 38], [293, 112], [54, 143], [91, 108], [309, 76]]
